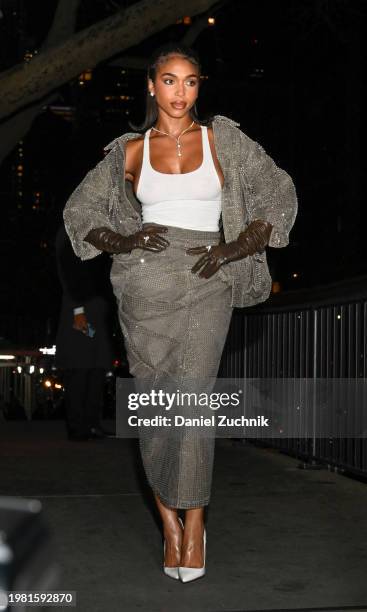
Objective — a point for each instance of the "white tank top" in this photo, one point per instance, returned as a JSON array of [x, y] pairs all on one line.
[[191, 200]]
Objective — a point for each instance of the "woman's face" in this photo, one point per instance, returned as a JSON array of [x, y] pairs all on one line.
[[176, 87]]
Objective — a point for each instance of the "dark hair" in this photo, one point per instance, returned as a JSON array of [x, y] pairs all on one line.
[[160, 55]]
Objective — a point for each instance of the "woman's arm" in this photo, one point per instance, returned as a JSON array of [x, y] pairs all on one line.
[[270, 199], [252, 240], [88, 208], [269, 191], [89, 224], [148, 239]]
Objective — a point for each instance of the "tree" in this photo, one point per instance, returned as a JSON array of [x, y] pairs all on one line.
[[27, 87]]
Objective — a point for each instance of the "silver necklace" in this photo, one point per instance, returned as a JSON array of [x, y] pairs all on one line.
[[177, 139]]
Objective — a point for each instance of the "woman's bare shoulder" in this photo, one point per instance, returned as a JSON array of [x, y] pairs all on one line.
[[133, 153], [134, 145], [210, 133]]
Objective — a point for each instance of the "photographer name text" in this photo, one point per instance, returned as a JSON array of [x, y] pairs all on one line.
[[216, 420]]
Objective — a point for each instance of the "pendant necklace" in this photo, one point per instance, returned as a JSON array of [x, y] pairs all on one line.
[[176, 139]]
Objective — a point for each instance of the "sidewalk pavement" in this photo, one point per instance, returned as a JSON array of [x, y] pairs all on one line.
[[278, 538]]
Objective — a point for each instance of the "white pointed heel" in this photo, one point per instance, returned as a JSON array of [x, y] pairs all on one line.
[[172, 572], [187, 574]]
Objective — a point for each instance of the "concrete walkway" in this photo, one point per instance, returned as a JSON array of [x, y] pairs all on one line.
[[279, 538]]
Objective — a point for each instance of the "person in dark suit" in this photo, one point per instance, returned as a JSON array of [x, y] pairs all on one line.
[[84, 347]]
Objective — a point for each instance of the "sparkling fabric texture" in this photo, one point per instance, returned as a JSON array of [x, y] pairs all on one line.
[[175, 325], [254, 188], [174, 322]]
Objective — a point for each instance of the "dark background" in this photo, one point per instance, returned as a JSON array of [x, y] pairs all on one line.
[[291, 72]]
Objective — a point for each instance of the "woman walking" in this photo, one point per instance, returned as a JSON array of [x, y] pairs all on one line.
[[186, 206]]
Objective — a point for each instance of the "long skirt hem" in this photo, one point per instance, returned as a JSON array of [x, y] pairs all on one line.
[[190, 505]]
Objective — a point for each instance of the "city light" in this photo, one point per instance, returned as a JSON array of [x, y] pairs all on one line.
[[48, 383], [48, 350], [185, 20], [85, 76], [6, 357], [257, 73], [121, 97]]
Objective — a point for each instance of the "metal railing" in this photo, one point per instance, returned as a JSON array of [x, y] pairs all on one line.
[[21, 336], [312, 334], [17, 389], [315, 333]]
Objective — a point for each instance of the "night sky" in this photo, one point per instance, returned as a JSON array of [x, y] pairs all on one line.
[[291, 72]]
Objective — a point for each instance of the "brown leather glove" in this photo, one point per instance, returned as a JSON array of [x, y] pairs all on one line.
[[253, 240], [104, 239]]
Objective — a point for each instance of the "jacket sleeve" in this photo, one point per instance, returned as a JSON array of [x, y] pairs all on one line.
[[88, 208], [269, 191]]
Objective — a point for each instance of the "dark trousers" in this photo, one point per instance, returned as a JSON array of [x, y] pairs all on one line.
[[83, 398]]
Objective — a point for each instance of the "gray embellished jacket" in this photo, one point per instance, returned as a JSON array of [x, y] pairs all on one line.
[[254, 188]]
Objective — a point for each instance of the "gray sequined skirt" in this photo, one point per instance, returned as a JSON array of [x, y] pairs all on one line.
[[175, 325]]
